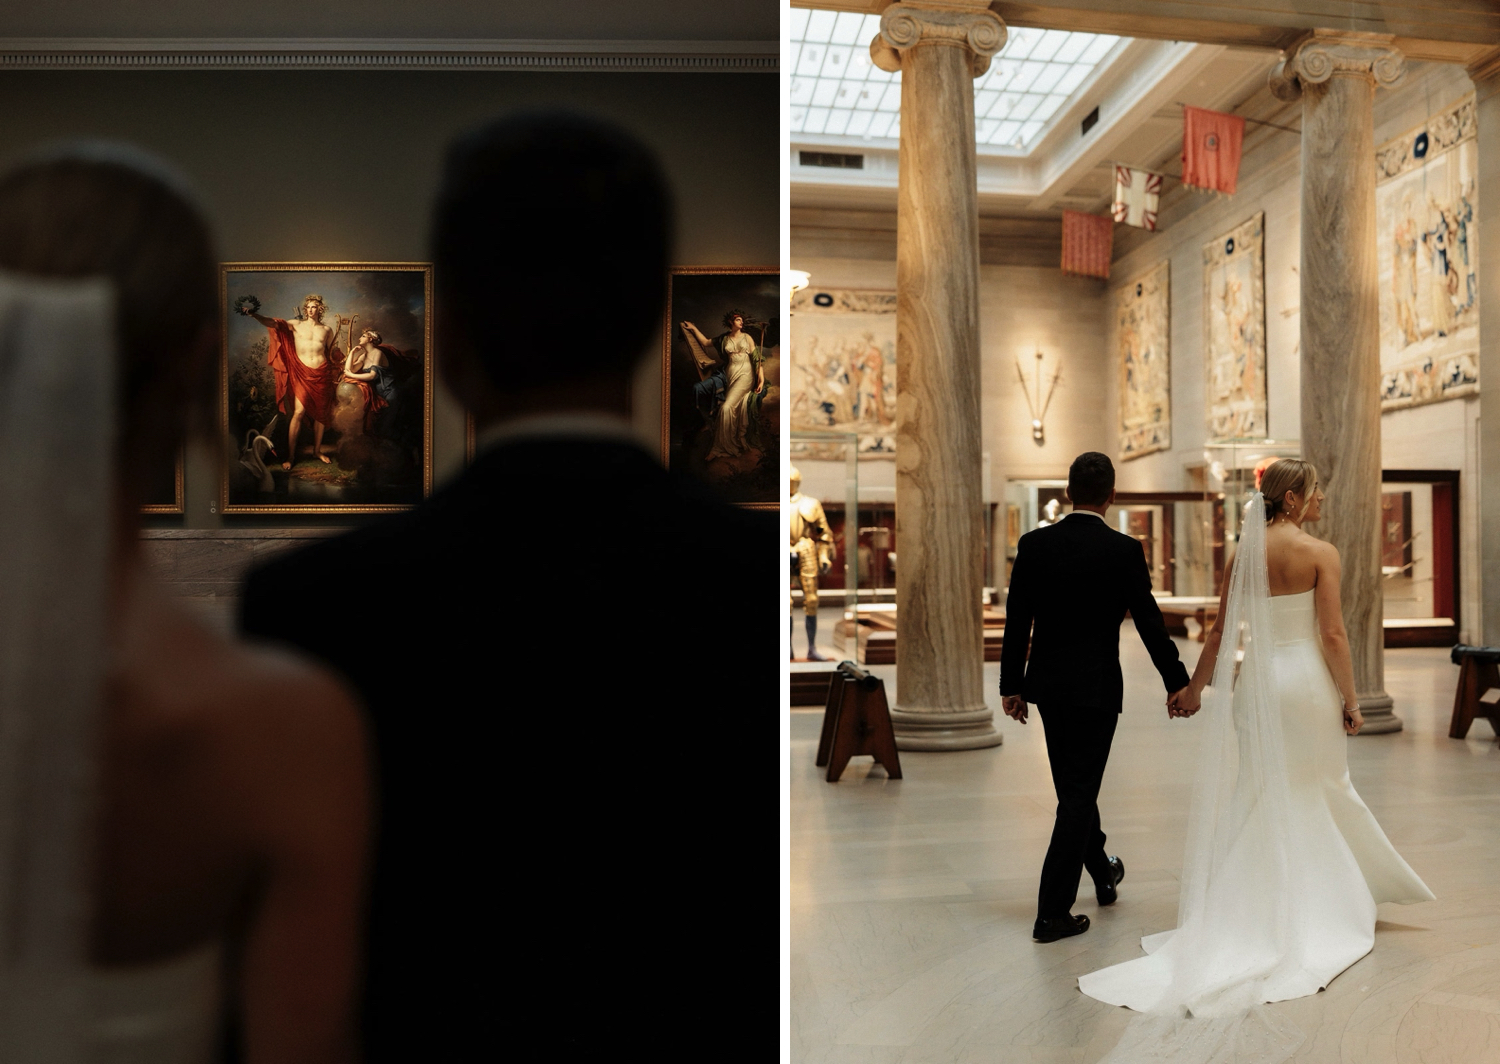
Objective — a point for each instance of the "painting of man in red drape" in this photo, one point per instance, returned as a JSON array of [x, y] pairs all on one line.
[[305, 359]]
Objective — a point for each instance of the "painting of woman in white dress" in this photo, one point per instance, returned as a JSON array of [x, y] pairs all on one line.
[[735, 383], [720, 380]]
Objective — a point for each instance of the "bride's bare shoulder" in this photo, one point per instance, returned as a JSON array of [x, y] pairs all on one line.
[[178, 672], [1318, 548], [221, 760]]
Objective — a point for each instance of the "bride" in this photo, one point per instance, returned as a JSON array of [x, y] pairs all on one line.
[[1284, 862], [182, 816]]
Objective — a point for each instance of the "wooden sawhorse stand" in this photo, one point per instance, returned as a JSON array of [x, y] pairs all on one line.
[[1478, 677], [856, 721]]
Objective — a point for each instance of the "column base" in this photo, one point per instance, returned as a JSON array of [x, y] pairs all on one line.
[[943, 730], [1379, 718]]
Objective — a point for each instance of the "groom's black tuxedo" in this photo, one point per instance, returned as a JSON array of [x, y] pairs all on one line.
[[1070, 588], [555, 652]]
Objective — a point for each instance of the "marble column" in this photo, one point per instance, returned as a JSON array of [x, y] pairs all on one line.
[[1486, 77], [939, 47], [1336, 74]]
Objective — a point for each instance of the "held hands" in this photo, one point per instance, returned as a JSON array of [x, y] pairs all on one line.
[[1183, 703], [1353, 720], [1015, 707]]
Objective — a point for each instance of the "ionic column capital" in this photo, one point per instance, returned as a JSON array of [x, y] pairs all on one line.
[[955, 24], [1325, 54], [1485, 71]]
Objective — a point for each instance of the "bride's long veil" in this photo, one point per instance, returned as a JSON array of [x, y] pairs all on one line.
[[1238, 902], [57, 381]]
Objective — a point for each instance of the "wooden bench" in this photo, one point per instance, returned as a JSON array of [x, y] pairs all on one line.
[[1478, 693], [856, 721]]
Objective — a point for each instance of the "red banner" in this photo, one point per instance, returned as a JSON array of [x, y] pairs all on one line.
[[1211, 146], [1088, 244]]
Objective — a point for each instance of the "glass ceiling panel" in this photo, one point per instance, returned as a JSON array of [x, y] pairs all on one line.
[[837, 90]]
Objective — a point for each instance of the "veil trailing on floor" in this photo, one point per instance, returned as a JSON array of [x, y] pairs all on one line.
[[57, 397], [1202, 987]]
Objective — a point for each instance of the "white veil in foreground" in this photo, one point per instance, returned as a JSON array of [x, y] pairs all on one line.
[[1202, 984], [57, 381]]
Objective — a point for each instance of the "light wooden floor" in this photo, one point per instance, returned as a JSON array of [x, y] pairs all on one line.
[[912, 900]]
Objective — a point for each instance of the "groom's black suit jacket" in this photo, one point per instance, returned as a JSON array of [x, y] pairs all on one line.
[[560, 653], [1070, 587]]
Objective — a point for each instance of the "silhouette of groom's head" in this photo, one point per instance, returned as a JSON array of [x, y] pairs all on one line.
[[1091, 478], [551, 238]]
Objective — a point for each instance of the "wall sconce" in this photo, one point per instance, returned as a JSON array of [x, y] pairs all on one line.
[[1038, 407], [800, 280]]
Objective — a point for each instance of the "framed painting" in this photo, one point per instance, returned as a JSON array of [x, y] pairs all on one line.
[[1234, 331], [1142, 339], [844, 365], [720, 380], [325, 386], [164, 491], [1428, 255]]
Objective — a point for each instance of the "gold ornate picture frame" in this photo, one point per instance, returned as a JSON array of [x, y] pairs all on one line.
[[165, 493], [344, 349]]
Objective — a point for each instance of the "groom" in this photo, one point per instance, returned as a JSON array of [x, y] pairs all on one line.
[[1070, 587]]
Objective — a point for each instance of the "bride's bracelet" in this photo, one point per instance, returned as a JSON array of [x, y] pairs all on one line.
[[1352, 709]]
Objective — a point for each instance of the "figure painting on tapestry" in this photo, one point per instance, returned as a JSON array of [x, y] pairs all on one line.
[[844, 365], [1142, 328], [721, 394], [326, 377], [1234, 331], [1429, 312]]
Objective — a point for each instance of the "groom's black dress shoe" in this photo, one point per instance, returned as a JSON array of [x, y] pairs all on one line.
[[1104, 890], [1056, 927]]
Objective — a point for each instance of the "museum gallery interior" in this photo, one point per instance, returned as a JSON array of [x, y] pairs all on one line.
[[1198, 239], [311, 140]]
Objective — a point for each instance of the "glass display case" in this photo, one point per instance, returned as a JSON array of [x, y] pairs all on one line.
[[1181, 534], [1230, 465], [1029, 504], [829, 464], [1419, 557]]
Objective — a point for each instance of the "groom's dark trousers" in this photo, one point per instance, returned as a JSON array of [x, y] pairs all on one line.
[[1070, 588]]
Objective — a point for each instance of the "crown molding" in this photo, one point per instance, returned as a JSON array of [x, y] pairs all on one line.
[[239, 53]]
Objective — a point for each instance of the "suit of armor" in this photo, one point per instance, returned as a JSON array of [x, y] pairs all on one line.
[[811, 554]]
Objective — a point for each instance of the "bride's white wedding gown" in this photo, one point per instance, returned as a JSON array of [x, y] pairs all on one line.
[[1273, 918]]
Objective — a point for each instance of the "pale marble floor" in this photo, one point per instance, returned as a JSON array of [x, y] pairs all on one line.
[[912, 900]]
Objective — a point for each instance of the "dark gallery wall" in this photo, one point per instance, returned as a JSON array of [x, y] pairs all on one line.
[[342, 166]]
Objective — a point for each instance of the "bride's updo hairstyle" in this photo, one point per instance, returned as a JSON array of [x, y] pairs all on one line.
[[1282, 476], [100, 209]]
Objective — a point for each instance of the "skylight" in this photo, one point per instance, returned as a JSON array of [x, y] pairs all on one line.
[[836, 90]]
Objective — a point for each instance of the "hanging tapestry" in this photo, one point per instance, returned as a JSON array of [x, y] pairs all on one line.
[[844, 366], [1142, 328], [1088, 243], [1425, 204], [1234, 331], [1137, 193], [1211, 145]]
